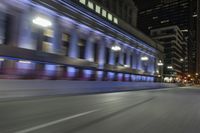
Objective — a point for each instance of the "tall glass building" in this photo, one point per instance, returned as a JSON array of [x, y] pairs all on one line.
[[156, 14], [73, 39]]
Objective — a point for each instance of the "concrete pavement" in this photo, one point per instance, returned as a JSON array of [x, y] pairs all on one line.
[[32, 88], [174, 110]]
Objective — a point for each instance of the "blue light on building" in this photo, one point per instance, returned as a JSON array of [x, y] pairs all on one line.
[[75, 46]]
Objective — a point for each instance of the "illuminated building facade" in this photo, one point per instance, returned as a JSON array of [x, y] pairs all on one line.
[[72, 39]]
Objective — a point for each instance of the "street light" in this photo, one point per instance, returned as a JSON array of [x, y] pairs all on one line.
[[42, 22], [194, 15], [24, 61], [181, 59], [144, 58], [116, 48], [160, 63]]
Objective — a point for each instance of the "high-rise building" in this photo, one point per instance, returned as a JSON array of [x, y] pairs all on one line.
[[74, 39], [161, 13], [175, 53], [197, 20]]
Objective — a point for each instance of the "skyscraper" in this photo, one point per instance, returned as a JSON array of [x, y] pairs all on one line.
[[162, 13]]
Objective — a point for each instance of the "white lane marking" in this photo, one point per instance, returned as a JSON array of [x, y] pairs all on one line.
[[56, 122]]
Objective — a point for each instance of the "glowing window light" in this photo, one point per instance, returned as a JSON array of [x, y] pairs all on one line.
[[144, 58], [98, 9], [82, 2], [90, 5], [169, 67], [104, 13], [42, 22], [110, 17], [115, 20]]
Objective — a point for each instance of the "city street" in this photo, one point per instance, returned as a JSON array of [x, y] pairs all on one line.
[[174, 110]]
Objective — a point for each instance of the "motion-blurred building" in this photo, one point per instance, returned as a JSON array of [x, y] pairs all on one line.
[[75, 39]]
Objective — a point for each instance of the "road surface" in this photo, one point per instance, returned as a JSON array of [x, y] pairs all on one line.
[[174, 110]]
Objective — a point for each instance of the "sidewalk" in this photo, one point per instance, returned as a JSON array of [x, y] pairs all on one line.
[[32, 88]]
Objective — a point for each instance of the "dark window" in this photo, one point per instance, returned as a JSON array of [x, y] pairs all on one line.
[[125, 56], [81, 45], [107, 56], [131, 60], [2, 27], [116, 58], [65, 42], [96, 53], [8, 22]]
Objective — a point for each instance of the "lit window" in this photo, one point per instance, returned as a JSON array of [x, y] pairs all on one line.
[[48, 33], [90, 5], [104, 13], [115, 20], [65, 37], [82, 1], [98, 9], [110, 17]]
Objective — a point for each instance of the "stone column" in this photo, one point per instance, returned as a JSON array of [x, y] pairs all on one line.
[[73, 44], [128, 58], [135, 59], [128, 63], [121, 56], [112, 57], [139, 62], [89, 51], [102, 45], [14, 28], [57, 36], [89, 55], [73, 51], [25, 35]]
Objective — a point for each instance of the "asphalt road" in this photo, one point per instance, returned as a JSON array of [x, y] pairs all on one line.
[[162, 111]]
